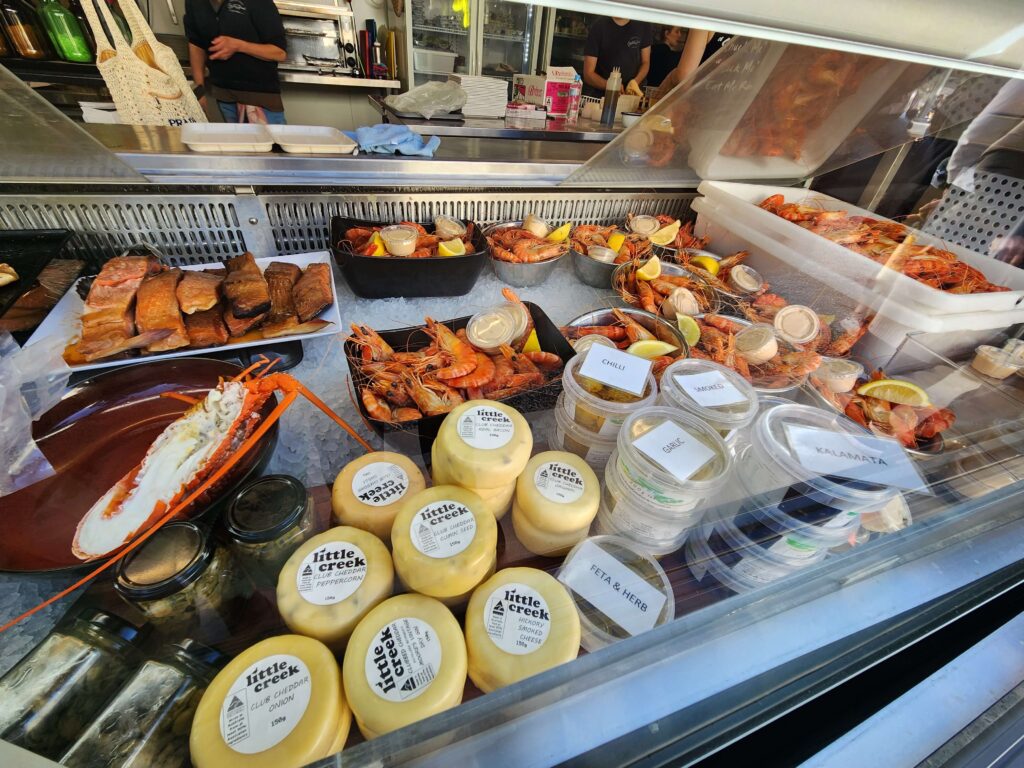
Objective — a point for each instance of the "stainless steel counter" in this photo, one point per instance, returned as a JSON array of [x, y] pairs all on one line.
[[159, 155], [501, 128]]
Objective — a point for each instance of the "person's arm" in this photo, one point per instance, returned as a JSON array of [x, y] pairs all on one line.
[[590, 76], [224, 47], [197, 61], [696, 41], [641, 74], [269, 28]]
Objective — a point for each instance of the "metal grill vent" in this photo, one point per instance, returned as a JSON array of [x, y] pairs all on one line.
[[974, 219]]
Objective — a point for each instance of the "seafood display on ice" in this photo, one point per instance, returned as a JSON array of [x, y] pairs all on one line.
[[405, 385], [530, 242], [590, 239], [649, 287], [136, 303], [623, 333], [887, 243], [407, 239]]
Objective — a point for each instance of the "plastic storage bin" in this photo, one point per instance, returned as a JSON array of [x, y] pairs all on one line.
[[312, 140], [227, 137], [433, 62]]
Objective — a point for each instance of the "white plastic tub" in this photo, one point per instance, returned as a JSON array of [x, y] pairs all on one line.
[[592, 413], [567, 435], [436, 62], [227, 137], [685, 382], [312, 140]]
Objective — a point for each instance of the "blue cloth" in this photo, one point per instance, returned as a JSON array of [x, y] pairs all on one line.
[[230, 111], [387, 139]]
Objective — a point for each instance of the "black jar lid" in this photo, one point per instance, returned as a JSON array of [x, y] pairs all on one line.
[[264, 509], [198, 652], [113, 625], [170, 560]]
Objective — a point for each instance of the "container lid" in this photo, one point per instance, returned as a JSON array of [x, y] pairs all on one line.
[[171, 559], [644, 225], [797, 324], [769, 436], [745, 278], [602, 254], [672, 448], [498, 325], [792, 551], [400, 232], [999, 356], [583, 343], [710, 391], [195, 651], [113, 625], [264, 509], [837, 367], [605, 396]]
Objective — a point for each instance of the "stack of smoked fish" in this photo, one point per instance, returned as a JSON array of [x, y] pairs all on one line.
[[137, 303]]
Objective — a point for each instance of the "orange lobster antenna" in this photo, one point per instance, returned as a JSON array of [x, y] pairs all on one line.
[[180, 396]]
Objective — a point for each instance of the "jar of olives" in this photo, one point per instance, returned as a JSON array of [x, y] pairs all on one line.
[[177, 576], [266, 521], [49, 696], [146, 725]]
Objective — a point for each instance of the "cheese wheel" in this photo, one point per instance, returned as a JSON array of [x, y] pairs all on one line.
[[278, 704], [405, 661], [544, 542], [332, 581], [486, 444], [369, 491], [558, 492], [443, 541], [519, 622], [498, 501], [341, 735]]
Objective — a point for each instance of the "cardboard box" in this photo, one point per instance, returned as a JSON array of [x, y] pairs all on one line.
[[559, 90]]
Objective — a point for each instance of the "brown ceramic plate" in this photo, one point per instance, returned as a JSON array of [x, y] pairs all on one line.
[[101, 429]]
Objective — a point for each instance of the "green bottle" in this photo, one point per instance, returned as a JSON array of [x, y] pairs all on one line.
[[65, 32], [120, 21]]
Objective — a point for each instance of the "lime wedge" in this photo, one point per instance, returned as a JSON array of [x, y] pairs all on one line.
[[689, 328], [651, 270], [895, 391], [651, 348]]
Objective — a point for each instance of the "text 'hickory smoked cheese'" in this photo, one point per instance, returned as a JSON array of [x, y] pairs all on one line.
[[405, 661], [278, 704]]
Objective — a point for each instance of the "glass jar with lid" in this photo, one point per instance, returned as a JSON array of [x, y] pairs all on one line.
[[49, 696], [147, 723], [266, 521], [178, 575]]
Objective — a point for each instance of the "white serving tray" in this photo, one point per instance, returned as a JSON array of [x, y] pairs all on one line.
[[227, 137], [64, 323], [311, 140]]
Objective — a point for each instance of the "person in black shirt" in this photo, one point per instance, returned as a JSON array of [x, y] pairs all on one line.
[[665, 55], [241, 41], [700, 46], [616, 43]]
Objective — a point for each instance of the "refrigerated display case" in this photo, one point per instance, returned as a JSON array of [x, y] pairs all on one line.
[[509, 38], [565, 35]]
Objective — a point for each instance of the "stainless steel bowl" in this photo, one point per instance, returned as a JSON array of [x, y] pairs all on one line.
[[710, 294], [516, 274], [659, 326], [591, 271]]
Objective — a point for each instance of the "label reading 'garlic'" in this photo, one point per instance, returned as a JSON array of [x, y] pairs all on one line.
[[403, 659], [517, 618], [558, 482], [442, 529], [265, 703], [380, 484], [331, 573], [485, 427]]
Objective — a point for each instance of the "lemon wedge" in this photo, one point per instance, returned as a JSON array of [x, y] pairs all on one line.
[[667, 234], [651, 270], [651, 348], [453, 247], [706, 263], [532, 344], [561, 234], [689, 328], [378, 245], [616, 240], [895, 391]]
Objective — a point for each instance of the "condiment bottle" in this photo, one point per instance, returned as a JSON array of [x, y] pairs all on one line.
[[49, 696], [22, 25], [65, 32], [611, 97], [146, 724]]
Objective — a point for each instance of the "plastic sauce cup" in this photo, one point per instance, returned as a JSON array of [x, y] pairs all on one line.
[[602, 254], [717, 395], [994, 362], [797, 324], [757, 343], [839, 375], [745, 279], [399, 240]]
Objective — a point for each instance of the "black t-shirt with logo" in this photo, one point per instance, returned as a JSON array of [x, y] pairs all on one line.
[[254, 21], [616, 46]]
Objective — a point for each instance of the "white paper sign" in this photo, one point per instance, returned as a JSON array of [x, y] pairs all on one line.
[[710, 389], [867, 458], [617, 591], [674, 449], [616, 368]]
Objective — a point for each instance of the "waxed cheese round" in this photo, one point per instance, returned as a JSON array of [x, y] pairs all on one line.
[[498, 501], [443, 541], [519, 622], [541, 542], [405, 661], [369, 491], [558, 492], [278, 704], [485, 443], [332, 581]]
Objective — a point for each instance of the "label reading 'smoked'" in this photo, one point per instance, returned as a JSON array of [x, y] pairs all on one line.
[[442, 529], [331, 573], [485, 427], [265, 703], [403, 659], [517, 618], [380, 484]]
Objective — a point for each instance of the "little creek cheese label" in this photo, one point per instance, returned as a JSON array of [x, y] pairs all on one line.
[[265, 703], [517, 618], [403, 659], [442, 529], [331, 573], [558, 482], [485, 427], [380, 484]]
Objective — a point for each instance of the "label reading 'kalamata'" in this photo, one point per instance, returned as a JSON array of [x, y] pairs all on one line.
[[380, 484], [485, 427], [331, 573], [265, 703], [442, 529], [558, 482], [403, 659], [517, 618]]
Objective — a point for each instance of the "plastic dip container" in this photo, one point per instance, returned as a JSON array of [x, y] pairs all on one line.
[[399, 240], [602, 254], [692, 463], [267, 520], [598, 408], [502, 324], [777, 482], [567, 435], [53, 693], [839, 375], [583, 343], [994, 362], [644, 225], [797, 324], [446, 227], [643, 601], [717, 395], [745, 279], [757, 343], [1016, 348]]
